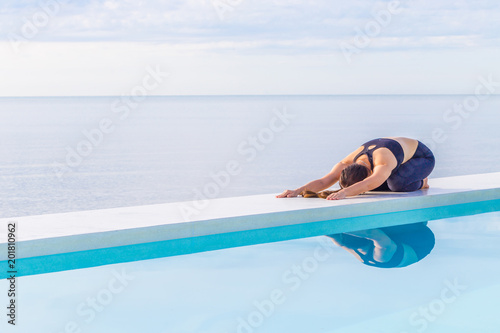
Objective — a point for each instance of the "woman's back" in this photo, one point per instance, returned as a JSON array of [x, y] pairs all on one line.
[[409, 146]]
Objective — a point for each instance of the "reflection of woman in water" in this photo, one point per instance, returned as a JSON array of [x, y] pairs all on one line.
[[385, 164], [388, 247]]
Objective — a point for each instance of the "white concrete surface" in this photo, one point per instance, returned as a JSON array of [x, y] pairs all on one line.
[[64, 233]]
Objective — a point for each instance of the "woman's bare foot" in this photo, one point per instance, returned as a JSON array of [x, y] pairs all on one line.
[[425, 185]]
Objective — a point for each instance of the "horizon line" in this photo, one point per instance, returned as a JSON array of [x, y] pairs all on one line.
[[246, 95]]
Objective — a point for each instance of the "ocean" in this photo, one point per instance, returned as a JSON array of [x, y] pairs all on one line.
[[81, 153]]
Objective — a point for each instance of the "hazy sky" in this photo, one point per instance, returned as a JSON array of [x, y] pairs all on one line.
[[59, 47]]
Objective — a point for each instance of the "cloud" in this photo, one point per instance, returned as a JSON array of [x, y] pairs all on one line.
[[113, 69], [93, 47], [288, 24]]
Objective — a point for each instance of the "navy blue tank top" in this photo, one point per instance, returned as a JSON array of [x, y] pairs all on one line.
[[390, 144]]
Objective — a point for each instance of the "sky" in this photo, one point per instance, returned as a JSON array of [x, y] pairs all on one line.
[[240, 47]]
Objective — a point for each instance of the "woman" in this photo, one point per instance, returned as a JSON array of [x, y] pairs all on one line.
[[386, 164]]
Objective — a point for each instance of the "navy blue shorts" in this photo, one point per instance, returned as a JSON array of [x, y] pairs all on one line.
[[410, 175]]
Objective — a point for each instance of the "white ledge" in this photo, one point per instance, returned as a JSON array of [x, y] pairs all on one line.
[[54, 242]]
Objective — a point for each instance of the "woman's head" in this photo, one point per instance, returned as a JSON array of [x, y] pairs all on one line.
[[353, 174]]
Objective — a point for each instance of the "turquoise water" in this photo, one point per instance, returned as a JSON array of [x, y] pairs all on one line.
[[165, 149]]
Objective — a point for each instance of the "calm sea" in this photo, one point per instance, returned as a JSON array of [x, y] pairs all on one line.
[[80, 153]]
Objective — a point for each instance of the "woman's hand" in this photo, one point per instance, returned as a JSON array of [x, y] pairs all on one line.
[[288, 194], [337, 196]]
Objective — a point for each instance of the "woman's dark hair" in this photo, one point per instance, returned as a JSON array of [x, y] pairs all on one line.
[[352, 174]]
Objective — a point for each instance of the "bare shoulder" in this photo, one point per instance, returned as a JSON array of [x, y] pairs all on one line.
[[383, 156], [349, 159]]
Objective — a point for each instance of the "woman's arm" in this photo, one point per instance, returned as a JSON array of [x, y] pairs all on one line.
[[377, 178], [326, 181], [319, 184], [384, 246]]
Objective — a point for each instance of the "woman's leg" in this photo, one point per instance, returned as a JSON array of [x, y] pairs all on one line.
[[410, 175]]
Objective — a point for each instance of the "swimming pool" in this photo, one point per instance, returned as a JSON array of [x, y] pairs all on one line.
[[278, 287]]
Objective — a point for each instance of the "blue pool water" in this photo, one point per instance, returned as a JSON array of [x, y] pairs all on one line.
[[67, 154]]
